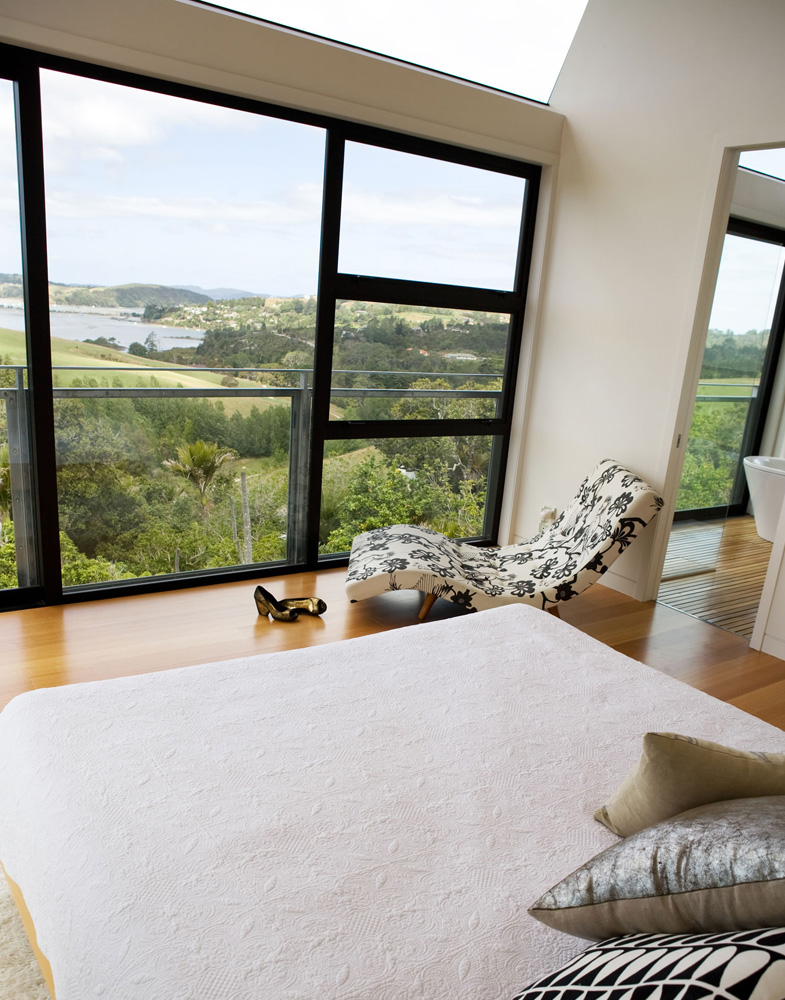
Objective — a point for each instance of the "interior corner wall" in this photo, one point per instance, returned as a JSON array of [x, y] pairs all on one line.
[[653, 92]]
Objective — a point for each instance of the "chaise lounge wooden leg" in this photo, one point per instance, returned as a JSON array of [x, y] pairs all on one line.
[[554, 610], [427, 604]]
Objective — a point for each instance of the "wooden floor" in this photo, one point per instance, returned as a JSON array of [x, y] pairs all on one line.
[[42, 647], [715, 570]]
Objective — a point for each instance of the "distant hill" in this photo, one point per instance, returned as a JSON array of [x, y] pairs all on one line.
[[128, 296], [221, 293], [132, 296], [11, 286]]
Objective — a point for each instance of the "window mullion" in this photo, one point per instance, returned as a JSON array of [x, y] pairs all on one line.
[[29, 138], [325, 331]]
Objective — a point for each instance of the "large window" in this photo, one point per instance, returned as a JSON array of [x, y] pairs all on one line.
[[240, 321]]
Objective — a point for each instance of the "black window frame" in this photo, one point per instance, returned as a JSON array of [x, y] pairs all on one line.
[[22, 67]]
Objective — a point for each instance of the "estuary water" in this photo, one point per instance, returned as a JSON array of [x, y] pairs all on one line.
[[88, 324]]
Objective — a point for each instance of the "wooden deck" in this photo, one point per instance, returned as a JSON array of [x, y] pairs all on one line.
[[715, 570]]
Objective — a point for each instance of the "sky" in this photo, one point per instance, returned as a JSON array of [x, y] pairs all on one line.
[[746, 290], [765, 161], [148, 188], [513, 45]]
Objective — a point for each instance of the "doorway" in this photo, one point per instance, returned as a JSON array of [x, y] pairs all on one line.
[[716, 562]]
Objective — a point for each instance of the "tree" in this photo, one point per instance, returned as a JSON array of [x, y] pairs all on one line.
[[8, 577], [379, 494], [105, 342], [77, 568], [198, 463], [712, 459], [462, 458], [5, 482], [7, 375]]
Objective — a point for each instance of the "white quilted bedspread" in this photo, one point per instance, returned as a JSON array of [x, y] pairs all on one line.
[[367, 820]]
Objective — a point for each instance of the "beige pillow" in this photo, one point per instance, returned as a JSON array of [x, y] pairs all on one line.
[[680, 772], [719, 867]]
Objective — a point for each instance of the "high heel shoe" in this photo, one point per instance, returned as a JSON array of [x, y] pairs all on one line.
[[310, 605], [267, 605]]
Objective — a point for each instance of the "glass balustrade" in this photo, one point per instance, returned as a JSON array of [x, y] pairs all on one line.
[[166, 471]]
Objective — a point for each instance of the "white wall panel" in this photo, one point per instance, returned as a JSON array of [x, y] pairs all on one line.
[[653, 94]]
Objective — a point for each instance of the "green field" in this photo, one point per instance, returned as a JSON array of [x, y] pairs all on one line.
[[110, 367], [740, 386]]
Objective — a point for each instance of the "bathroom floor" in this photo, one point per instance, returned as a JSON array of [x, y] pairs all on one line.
[[715, 570]]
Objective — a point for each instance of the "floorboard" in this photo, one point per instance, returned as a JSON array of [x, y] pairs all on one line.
[[42, 647], [715, 570]]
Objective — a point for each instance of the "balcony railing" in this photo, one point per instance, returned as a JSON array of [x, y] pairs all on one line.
[[16, 398], [723, 444]]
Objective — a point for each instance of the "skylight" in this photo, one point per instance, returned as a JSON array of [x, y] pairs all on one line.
[[515, 47], [765, 161]]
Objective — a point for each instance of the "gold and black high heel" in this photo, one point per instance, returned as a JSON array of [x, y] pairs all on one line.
[[310, 605], [267, 605]]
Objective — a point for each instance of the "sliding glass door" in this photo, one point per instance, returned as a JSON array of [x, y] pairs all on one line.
[[742, 349]]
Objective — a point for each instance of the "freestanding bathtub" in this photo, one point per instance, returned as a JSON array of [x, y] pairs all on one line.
[[766, 480]]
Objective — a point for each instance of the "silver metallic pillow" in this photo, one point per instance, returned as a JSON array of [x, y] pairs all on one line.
[[719, 867]]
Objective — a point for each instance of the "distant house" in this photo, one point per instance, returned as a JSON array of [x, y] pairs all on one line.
[[461, 357]]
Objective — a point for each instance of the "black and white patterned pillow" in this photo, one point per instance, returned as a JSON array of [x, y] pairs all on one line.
[[738, 965]]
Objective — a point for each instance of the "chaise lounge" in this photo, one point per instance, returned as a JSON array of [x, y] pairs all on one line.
[[610, 509]]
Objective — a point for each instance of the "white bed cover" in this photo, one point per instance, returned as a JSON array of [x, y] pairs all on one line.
[[367, 819]]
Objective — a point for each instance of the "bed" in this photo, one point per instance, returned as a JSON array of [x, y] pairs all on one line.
[[367, 819]]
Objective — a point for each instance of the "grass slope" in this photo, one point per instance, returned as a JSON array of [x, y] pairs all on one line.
[[105, 364]]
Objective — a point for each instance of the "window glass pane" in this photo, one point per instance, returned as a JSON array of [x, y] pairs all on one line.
[[17, 543], [155, 482], [411, 217], [439, 482], [739, 330], [765, 161], [408, 362], [182, 237]]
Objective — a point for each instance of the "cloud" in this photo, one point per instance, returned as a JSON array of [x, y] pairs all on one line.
[[91, 119], [365, 208], [300, 205]]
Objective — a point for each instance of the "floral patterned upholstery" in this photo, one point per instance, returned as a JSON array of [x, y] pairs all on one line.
[[612, 506]]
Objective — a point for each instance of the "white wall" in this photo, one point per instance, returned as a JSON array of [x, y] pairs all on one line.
[[653, 93]]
